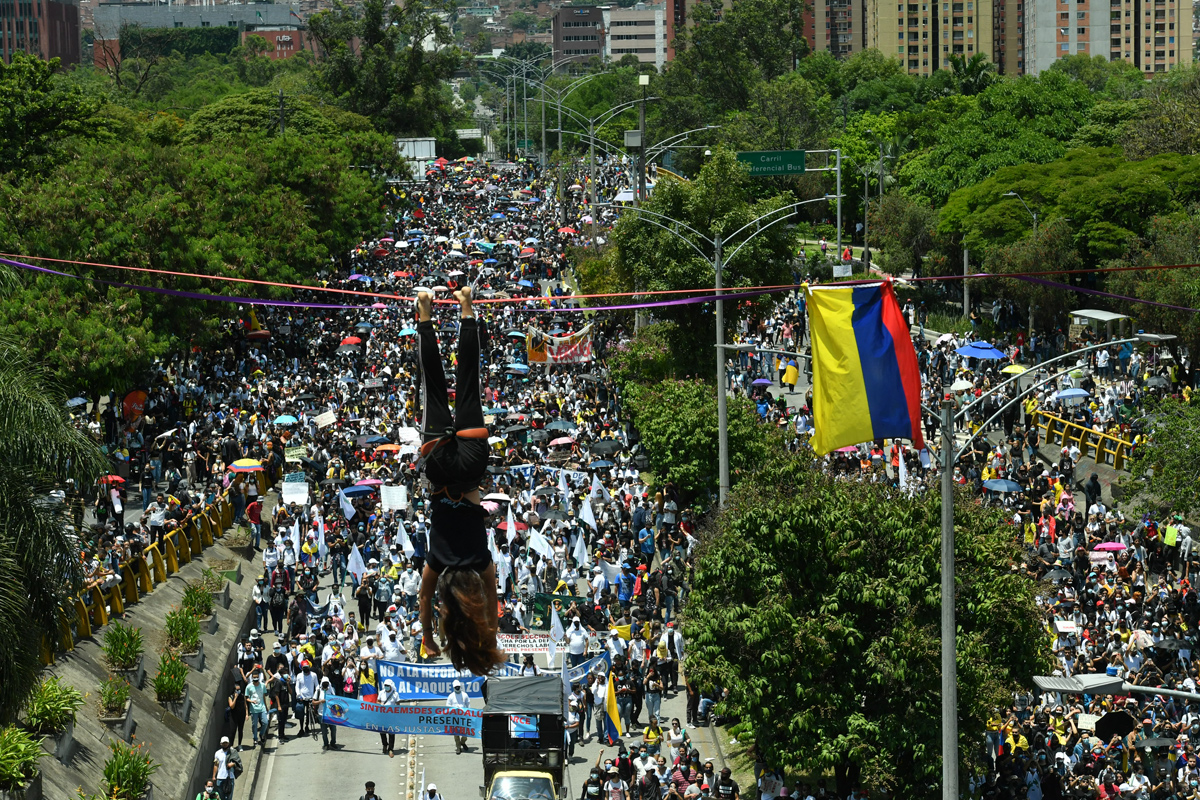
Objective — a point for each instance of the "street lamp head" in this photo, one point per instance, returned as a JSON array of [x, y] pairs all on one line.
[[707, 153], [643, 80], [1011, 194]]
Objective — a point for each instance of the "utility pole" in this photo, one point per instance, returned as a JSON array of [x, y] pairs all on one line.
[[722, 413], [644, 80], [592, 161], [281, 112], [839, 204], [949, 666], [543, 104], [966, 289]]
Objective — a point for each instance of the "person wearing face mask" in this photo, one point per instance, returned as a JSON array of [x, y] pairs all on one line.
[[431, 793], [410, 586], [458, 699], [305, 691], [387, 697], [370, 793], [258, 704], [209, 792], [227, 765], [280, 691], [328, 732], [593, 786], [308, 584], [577, 642]]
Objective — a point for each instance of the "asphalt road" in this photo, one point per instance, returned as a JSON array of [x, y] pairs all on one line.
[[300, 769]]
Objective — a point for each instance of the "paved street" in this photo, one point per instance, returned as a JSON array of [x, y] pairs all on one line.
[[300, 769]]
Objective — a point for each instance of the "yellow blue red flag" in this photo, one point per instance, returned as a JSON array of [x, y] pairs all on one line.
[[612, 717], [866, 382]]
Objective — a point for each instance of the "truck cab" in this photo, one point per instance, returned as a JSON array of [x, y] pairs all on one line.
[[522, 739]]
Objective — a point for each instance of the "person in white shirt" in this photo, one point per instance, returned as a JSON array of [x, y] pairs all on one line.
[[616, 645], [370, 652], [305, 688], [577, 642], [328, 732], [458, 699], [388, 697]]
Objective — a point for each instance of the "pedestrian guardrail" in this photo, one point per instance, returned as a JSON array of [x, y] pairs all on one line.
[[1104, 448], [92, 609]]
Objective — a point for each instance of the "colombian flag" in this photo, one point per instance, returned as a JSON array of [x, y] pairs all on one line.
[[367, 690], [866, 383], [612, 717]]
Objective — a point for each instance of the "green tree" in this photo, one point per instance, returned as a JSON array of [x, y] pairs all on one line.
[[973, 74], [258, 113], [37, 113], [1170, 122], [1052, 251], [38, 568], [677, 420], [816, 603], [524, 21], [528, 51], [374, 61], [1165, 461], [721, 200], [1117, 78], [903, 229]]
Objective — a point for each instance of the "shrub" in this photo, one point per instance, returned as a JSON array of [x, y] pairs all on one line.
[[123, 645], [127, 772], [211, 581], [114, 693], [198, 600], [183, 630], [171, 680], [51, 706], [19, 754]]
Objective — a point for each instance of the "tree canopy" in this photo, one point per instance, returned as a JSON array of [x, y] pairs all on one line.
[[816, 602]]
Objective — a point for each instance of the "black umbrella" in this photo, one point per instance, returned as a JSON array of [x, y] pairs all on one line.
[[553, 514], [1115, 723], [1158, 382], [306, 396], [546, 491], [1056, 574], [496, 470], [1157, 741], [308, 462], [587, 376], [641, 461], [539, 436], [1174, 644], [516, 428], [347, 349], [606, 448], [333, 482]]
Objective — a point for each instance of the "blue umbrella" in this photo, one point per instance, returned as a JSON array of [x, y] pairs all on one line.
[[523, 282], [1002, 485], [408, 332], [513, 208], [497, 410], [518, 367], [347, 380], [531, 240], [980, 350], [285, 419], [414, 232], [1072, 394], [377, 440], [499, 216], [761, 382], [490, 261], [362, 278], [598, 464], [357, 491]]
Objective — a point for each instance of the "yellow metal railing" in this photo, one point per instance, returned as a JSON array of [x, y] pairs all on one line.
[[1104, 448]]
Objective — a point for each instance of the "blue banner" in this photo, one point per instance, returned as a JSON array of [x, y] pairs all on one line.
[[431, 681], [424, 720]]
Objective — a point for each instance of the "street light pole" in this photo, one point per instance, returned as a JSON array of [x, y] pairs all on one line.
[[644, 81], [949, 665], [839, 204], [722, 410], [592, 160]]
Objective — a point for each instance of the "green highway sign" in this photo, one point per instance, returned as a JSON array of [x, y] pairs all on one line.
[[773, 162], [525, 144]]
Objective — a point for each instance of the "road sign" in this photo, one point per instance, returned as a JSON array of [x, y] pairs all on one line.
[[525, 144], [469, 133], [773, 162]]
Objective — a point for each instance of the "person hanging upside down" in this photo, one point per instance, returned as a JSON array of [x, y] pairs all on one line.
[[454, 455]]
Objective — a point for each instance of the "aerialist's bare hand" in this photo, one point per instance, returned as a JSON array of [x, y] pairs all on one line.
[[429, 642], [424, 306]]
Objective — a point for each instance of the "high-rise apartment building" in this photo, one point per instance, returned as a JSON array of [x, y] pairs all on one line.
[[838, 26], [44, 28], [1153, 35], [578, 33]]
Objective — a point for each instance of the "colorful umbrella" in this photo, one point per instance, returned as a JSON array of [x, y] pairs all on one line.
[[352, 340], [245, 465]]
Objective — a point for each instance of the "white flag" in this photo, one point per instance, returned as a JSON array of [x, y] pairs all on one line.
[[296, 538], [586, 514], [612, 573], [563, 488], [511, 522], [347, 508], [405, 542], [580, 552], [539, 544], [355, 565], [322, 548], [904, 484], [556, 636], [599, 493]]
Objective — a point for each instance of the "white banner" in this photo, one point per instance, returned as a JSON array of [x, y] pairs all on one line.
[[524, 642], [294, 493], [325, 420], [395, 498]]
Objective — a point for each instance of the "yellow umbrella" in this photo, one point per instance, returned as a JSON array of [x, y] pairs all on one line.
[[1015, 369], [245, 465]]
